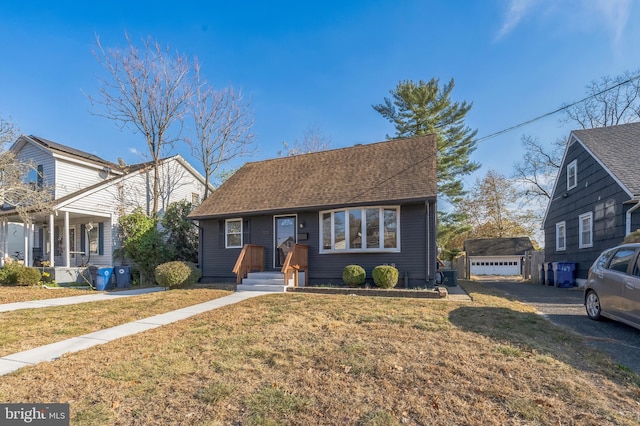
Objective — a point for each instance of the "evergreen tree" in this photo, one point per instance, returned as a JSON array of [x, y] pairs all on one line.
[[422, 108]]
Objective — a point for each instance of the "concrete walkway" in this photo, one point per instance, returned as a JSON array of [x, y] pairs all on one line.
[[13, 362], [73, 300]]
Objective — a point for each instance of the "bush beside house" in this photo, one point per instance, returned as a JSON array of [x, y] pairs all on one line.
[[385, 276], [354, 275], [13, 273], [177, 274]]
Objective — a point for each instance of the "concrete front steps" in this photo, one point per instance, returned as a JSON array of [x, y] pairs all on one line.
[[267, 281]]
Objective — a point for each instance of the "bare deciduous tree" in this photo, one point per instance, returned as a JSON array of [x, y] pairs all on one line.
[[223, 124], [538, 167], [610, 101], [20, 186], [492, 211], [8, 132], [313, 140], [146, 90]]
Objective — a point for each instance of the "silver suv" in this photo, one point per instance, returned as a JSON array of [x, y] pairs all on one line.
[[613, 287]]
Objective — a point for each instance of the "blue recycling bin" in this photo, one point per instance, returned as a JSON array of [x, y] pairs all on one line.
[[542, 274], [550, 274], [103, 278], [565, 274]]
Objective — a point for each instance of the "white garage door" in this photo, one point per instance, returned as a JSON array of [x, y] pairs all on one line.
[[495, 266]]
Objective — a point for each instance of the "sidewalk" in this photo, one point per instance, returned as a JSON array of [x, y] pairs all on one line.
[[53, 351], [73, 300]]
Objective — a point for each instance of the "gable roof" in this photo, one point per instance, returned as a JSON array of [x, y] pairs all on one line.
[[399, 170], [117, 172], [57, 148], [618, 150], [497, 246]]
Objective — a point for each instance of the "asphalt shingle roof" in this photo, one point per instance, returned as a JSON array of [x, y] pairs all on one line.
[[618, 147], [497, 246], [54, 146], [392, 171]]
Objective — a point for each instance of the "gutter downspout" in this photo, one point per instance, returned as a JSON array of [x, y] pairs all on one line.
[[426, 241], [196, 223], [628, 217]]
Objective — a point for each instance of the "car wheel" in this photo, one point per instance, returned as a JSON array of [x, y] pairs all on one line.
[[592, 304]]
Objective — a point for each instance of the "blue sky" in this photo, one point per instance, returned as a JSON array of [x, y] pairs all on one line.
[[322, 63]]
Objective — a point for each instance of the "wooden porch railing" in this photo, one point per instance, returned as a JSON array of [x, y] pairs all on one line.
[[251, 258], [297, 260]]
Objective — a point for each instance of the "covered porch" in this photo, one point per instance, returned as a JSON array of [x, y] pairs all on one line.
[[67, 240]]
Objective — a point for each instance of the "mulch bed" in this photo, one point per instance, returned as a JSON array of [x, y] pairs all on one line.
[[438, 293]]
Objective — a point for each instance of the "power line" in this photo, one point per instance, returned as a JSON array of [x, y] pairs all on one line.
[[517, 126]]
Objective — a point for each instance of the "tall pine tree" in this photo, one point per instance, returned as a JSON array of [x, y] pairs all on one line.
[[422, 108]]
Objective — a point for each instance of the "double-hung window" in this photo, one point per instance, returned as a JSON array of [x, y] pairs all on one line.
[[233, 233], [561, 236], [572, 175], [585, 229], [360, 229]]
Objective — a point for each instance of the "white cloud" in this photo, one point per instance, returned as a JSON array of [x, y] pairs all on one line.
[[517, 10], [615, 14], [612, 15]]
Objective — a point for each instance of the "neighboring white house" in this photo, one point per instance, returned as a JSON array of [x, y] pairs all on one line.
[[496, 256], [90, 194]]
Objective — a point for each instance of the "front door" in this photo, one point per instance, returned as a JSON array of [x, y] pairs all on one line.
[[285, 237]]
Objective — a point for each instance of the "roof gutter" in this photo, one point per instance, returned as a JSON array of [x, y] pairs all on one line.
[[628, 218]]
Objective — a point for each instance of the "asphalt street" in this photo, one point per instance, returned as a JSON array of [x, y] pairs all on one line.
[[564, 307]]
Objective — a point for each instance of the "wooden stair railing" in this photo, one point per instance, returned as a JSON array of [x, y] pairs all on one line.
[[297, 260], [251, 258]]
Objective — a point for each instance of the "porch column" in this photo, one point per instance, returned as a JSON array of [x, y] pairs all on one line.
[[52, 242], [32, 240], [65, 241], [4, 246], [25, 246]]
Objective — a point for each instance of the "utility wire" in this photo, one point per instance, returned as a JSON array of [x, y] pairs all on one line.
[[517, 126]]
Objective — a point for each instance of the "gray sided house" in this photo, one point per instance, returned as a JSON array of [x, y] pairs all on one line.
[[594, 203], [89, 195], [496, 256], [368, 204]]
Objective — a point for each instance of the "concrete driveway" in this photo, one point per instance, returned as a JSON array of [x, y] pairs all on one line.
[[564, 307]]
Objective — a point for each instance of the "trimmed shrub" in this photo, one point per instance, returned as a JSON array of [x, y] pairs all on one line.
[[353, 275], [196, 273], [633, 237], [9, 273], [177, 274], [28, 276], [385, 276]]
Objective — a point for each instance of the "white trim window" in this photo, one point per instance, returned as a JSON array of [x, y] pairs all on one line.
[[233, 233], [361, 229], [585, 226], [561, 236], [572, 175]]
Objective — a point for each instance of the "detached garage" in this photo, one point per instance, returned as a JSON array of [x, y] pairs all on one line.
[[496, 256]]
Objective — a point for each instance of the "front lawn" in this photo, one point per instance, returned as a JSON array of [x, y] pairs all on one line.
[[29, 328], [309, 359], [11, 294]]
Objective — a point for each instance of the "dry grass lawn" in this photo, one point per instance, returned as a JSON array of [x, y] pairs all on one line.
[[29, 328], [318, 359], [11, 294]]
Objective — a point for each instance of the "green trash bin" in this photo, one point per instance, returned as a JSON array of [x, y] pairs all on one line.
[[550, 274], [450, 277]]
